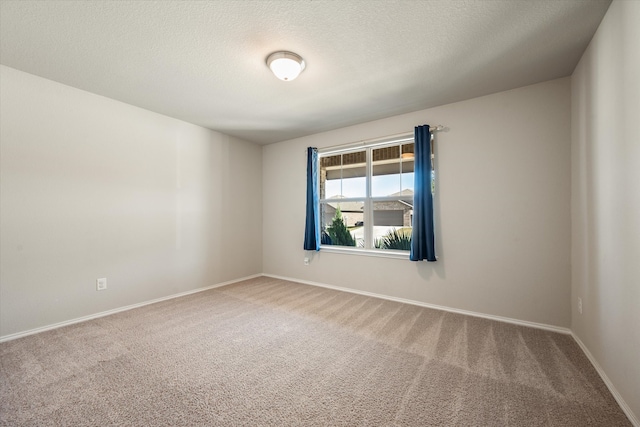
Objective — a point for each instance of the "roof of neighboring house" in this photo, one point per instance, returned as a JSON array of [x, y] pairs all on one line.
[[346, 206], [359, 206], [405, 192]]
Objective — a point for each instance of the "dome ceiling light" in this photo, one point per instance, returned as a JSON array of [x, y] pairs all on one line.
[[285, 65]]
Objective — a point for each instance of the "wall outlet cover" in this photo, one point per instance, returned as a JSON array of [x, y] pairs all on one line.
[[101, 284]]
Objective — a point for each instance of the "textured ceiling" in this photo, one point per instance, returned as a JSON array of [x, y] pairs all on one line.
[[204, 62]]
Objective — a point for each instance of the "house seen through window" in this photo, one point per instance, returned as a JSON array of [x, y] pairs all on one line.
[[366, 196]]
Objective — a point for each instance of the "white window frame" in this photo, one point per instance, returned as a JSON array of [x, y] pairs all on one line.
[[368, 146]]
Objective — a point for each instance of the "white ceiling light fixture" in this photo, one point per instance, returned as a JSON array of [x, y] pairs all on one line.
[[285, 65]]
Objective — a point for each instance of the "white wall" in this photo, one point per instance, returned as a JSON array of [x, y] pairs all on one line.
[[503, 207], [91, 187], [606, 199]]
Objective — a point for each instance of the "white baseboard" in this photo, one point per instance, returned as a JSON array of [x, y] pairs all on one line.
[[623, 405], [546, 327], [118, 310]]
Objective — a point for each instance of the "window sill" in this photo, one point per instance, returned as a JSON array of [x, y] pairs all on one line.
[[366, 252]]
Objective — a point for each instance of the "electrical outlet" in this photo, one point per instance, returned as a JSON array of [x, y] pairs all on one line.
[[306, 261], [580, 305], [101, 284]]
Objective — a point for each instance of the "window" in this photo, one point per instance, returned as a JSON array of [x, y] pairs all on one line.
[[366, 196]]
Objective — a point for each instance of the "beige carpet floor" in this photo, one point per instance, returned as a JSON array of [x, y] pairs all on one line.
[[267, 352]]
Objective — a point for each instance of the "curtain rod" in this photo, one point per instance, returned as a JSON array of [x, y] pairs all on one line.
[[373, 141]]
